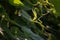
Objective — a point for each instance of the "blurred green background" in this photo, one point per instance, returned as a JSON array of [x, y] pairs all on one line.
[[57, 6]]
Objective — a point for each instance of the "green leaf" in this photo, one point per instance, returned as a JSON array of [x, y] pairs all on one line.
[[25, 15]]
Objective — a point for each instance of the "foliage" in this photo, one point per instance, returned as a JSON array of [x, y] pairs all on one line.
[[29, 19]]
